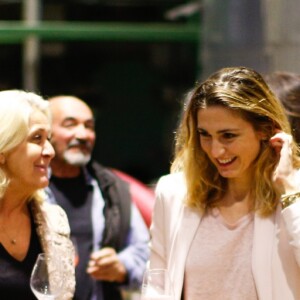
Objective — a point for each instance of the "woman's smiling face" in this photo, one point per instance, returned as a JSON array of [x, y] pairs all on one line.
[[230, 142], [27, 164]]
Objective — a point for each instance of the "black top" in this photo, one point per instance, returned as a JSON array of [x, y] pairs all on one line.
[[15, 275]]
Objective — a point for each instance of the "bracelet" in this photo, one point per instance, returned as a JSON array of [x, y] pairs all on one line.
[[287, 200]]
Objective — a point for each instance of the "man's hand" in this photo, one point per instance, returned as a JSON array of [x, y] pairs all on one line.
[[105, 265]]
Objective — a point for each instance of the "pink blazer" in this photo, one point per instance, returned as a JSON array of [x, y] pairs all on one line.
[[276, 242]]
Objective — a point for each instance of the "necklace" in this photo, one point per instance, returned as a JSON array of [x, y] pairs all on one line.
[[13, 241], [14, 231]]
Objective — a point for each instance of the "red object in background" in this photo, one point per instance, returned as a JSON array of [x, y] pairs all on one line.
[[142, 196]]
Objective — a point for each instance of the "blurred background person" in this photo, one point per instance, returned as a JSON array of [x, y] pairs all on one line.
[[111, 235], [29, 225], [286, 87]]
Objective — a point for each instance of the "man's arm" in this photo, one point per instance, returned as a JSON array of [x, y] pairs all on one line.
[[126, 267]]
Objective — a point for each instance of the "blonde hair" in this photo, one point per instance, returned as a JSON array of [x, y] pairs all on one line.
[[16, 107], [244, 91]]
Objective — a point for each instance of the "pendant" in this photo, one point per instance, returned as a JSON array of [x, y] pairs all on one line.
[[13, 241]]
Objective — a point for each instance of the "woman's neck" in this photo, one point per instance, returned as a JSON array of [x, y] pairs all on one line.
[[237, 202]]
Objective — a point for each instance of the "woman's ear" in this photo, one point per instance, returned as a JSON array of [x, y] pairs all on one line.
[[2, 159], [263, 136]]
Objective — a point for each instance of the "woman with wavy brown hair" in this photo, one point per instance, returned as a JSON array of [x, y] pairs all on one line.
[[226, 221]]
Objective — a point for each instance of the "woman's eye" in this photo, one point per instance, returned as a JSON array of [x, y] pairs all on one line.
[[229, 135], [37, 137], [203, 134]]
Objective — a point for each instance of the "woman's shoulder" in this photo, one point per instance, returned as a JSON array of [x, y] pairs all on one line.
[[171, 184], [171, 179], [53, 210], [54, 216]]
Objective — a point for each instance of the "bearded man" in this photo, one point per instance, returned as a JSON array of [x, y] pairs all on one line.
[[110, 233]]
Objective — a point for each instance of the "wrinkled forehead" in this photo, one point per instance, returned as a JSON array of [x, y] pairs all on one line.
[[69, 108]]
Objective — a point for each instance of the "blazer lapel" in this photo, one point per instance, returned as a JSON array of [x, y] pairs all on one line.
[[262, 255], [186, 230]]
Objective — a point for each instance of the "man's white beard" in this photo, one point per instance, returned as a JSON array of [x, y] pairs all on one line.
[[78, 159]]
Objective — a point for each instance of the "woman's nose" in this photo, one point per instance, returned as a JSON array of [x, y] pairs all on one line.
[[48, 149], [217, 149]]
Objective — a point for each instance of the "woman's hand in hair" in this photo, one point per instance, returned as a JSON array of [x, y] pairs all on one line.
[[285, 175]]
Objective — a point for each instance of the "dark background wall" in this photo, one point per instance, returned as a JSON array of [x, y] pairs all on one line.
[[135, 88]]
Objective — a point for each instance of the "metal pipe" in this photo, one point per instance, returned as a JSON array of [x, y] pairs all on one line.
[[31, 45]]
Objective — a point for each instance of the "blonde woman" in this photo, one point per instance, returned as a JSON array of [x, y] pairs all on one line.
[[28, 225], [226, 221]]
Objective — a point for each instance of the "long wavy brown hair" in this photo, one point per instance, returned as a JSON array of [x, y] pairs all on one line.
[[244, 91]]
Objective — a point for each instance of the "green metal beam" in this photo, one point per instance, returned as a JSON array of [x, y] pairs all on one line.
[[16, 31]]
